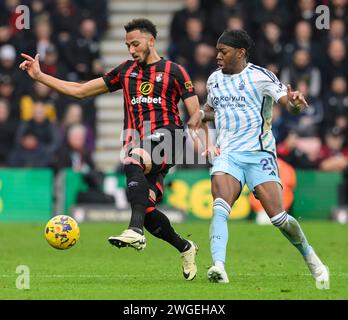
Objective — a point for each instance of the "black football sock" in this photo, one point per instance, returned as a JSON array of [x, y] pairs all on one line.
[[159, 225], [137, 193]]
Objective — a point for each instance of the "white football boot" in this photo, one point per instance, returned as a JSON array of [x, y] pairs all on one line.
[[129, 238], [217, 274], [319, 271], [189, 267]]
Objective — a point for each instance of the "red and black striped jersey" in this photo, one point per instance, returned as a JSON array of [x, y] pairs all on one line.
[[151, 93]]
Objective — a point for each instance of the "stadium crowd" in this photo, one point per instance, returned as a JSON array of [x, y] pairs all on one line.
[[35, 123], [38, 127]]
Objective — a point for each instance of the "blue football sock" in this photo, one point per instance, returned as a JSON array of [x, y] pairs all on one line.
[[219, 230], [291, 229]]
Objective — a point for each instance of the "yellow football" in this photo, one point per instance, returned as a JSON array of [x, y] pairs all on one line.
[[62, 232]]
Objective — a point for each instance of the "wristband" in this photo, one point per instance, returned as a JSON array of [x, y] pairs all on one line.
[[202, 114]]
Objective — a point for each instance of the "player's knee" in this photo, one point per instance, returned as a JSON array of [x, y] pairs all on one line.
[[142, 157], [131, 164], [274, 209]]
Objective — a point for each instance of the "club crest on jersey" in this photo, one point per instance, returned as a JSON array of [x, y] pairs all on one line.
[[159, 76], [241, 85]]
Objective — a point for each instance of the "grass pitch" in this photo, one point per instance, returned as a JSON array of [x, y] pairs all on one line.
[[261, 264]]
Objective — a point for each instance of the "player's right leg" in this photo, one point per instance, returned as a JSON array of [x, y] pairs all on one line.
[[270, 195], [137, 190], [225, 189]]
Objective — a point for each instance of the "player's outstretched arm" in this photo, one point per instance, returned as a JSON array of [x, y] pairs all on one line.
[[294, 101], [192, 106], [74, 89]]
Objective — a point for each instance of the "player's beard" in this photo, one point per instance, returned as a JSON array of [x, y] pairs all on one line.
[[146, 55]]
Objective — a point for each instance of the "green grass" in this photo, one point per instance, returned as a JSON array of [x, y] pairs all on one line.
[[260, 262]]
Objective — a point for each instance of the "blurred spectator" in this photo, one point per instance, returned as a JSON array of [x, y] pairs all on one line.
[[6, 36], [44, 131], [269, 49], [8, 129], [53, 66], [7, 91], [267, 11], [194, 37], [221, 14], [8, 12], [8, 67], [200, 85], [302, 69], [43, 35], [235, 23], [38, 8], [178, 24], [203, 63], [336, 102], [341, 122], [312, 117], [339, 10], [97, 10], [83, 52], [300, 151], [73, 116], [45, 95], [73, 153], [279, 129], [337, 31], [333, 154], [29, 153], [8, 60], [336, 63], [303, 40], [305, 10], [65, 19]]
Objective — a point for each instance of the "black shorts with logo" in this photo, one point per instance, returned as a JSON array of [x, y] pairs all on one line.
[[165, 146]]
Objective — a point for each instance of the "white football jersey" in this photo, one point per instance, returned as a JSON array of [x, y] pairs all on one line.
[[242, 105]]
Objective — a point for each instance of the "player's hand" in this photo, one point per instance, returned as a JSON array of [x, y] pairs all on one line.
[[195, 121], [297, 101], [31, 65], [211, 152]]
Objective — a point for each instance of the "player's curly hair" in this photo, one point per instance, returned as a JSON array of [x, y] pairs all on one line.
[[237, 39], [144, 25]]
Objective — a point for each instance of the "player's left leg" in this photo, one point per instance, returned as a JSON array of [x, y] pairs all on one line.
[[270, 195], [159, 226]]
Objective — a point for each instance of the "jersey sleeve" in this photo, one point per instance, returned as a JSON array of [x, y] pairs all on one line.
[[209, 84], [112, 78], [184, 83], [272, 87]]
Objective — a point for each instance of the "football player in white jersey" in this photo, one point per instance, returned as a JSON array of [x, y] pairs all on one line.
[[240, 100]]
